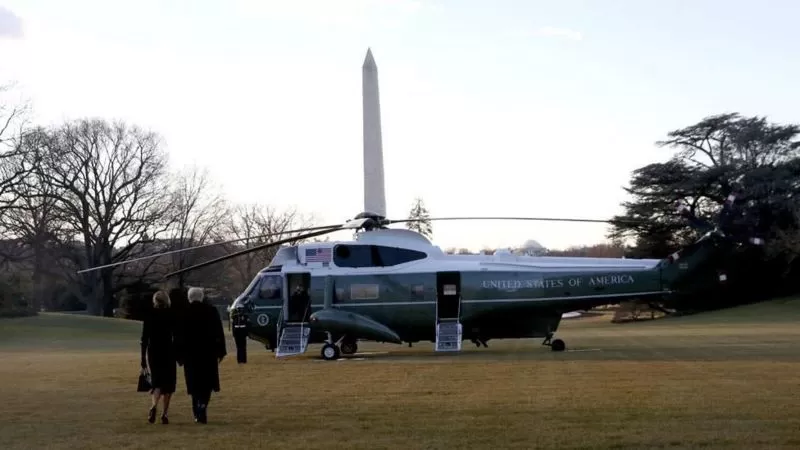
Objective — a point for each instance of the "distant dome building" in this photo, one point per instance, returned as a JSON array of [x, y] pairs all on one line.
[[531, 248]]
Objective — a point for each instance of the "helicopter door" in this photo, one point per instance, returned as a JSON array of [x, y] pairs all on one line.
[[448, 311], [295, 328], [297, 298]]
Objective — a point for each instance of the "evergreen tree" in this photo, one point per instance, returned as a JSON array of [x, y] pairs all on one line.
[[422, 226], [720, 155], [715, 157]]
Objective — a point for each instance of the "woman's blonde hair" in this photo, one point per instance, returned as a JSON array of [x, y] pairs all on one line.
[[161, 300]]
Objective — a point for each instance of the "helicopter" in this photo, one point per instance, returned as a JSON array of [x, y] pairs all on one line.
[[394, 285]]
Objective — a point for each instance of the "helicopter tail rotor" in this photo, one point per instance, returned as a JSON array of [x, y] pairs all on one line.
[[725, 222]]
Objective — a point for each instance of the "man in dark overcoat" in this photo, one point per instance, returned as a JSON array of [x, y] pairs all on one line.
[[202, 349]]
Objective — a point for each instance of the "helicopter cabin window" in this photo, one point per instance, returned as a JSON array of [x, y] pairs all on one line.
[[373, 256], [364, 291], [270, 287]]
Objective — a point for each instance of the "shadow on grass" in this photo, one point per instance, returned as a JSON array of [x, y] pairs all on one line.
[[696, 350]]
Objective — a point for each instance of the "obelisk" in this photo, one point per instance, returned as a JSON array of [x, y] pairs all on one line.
[[374, 193]]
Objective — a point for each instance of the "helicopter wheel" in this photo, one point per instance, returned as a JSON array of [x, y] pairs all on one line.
[[330, 352], [558, 345], [349, 347]]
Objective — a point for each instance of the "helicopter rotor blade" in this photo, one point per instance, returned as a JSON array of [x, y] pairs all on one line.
[[253, 249], [325, 229], [181, 250], [540, 219]]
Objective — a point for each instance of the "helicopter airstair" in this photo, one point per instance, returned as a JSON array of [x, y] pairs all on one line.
[[293, 338], [448, 336], [448, 312]]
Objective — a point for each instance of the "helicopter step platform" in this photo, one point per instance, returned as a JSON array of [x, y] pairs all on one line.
[[448, 336], [294, 339]]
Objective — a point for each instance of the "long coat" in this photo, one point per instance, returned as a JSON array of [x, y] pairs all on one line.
[[202, 347], [158, 348]]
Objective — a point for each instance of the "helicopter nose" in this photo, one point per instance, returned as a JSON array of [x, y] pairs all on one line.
[[240, 303]]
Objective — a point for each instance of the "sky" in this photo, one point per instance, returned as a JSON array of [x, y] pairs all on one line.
[[509, 107]]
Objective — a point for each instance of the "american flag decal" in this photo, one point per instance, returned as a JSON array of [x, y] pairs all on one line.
[[318, 255]]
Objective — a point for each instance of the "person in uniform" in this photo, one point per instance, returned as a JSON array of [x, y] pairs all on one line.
[[240, 319]]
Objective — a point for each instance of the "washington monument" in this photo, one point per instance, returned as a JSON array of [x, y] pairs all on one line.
[[374, 195]]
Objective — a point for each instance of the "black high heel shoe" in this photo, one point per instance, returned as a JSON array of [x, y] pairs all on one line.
[[164, 419], [151, 416]]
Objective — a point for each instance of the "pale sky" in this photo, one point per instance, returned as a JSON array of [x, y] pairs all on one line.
[[519, 108]]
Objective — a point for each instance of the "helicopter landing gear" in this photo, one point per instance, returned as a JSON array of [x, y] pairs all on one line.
[[330, 352], [479, 342], [556, 345], [349, 347]]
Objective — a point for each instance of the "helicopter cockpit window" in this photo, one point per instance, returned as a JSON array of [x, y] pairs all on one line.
[[270, 287], [373, 256]]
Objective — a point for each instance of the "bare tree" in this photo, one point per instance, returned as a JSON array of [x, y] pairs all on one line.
[[108, 181], [13, 121], [33, 220], [458, 251], [250, 223], [200, 216], [604, 250]]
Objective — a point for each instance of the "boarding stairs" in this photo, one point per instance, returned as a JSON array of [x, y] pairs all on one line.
[[448, 335], [293, 338], [448, 323]]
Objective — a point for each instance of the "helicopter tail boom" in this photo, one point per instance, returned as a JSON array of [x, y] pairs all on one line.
[[691, 264]]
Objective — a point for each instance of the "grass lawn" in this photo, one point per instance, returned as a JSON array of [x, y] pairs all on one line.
[[729, 379]]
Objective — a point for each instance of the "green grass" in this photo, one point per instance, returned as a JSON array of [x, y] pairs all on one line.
[[67, 331], [727, 379]]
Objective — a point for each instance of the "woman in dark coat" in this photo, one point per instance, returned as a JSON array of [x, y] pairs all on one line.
[[202, 349], [159, 353]]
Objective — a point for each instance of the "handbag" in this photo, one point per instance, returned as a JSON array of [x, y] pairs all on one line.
[[145, 381]]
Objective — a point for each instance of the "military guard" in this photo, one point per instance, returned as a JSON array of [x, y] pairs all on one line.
[[239, 317]]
